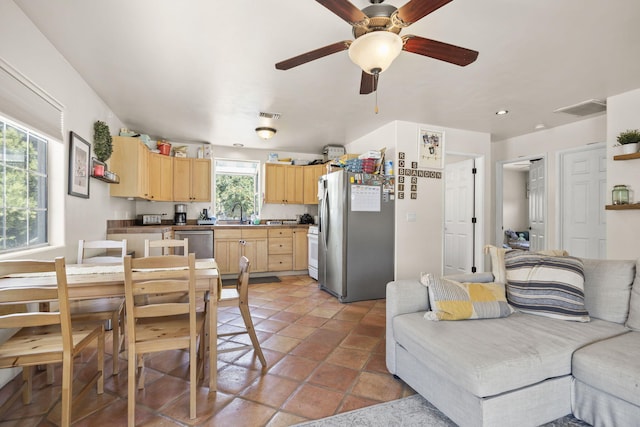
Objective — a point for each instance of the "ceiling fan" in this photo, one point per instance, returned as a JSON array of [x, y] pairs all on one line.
[[377, 43]]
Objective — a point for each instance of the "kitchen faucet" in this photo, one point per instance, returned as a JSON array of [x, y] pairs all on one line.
[[234, 208]]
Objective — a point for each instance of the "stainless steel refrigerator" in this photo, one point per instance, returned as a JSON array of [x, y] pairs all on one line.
[[356, 235]]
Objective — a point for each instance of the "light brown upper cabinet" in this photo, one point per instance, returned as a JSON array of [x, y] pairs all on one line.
[[130, 161], [191, 180], [311, 175], [284, 184], [160, 178]]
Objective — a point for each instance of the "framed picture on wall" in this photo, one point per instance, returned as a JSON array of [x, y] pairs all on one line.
[[79, 163], [430, 149]]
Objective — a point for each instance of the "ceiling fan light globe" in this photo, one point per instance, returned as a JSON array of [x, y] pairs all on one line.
[[375, 50]]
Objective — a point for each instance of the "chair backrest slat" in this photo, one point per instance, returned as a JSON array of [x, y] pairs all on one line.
[[158, 310], [166, 245], [98, 257]]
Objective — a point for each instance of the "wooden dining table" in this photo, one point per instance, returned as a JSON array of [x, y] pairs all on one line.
[[88, 281]]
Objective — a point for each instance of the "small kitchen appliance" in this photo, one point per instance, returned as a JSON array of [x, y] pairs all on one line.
[[149, 219], [180, 217]]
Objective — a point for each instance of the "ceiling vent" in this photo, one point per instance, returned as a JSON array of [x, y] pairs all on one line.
[[586, 108], [272, 116]]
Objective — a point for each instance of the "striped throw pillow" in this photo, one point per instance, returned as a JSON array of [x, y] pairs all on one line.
[[451, 300], [548, 286]]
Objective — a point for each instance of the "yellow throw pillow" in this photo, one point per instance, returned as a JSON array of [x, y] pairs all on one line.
[[451, 300]]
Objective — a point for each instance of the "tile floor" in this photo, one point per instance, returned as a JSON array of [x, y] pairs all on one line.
[[324, 358]]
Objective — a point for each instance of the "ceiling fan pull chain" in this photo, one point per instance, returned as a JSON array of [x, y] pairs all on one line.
[[375, 85]]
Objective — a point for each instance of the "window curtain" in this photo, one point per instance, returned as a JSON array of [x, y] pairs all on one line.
[[25, 101]]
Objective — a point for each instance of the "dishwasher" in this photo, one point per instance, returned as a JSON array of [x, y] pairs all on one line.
[[200, 242]]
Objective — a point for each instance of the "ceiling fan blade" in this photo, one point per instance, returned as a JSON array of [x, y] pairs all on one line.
[[439, 50], [418, 9], [368, 83], [345, 10], [314, 54]]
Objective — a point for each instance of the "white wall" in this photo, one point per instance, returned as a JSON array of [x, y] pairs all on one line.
[[71, 218], [418, 243], [623, 227], [268, 211], [548, 143]]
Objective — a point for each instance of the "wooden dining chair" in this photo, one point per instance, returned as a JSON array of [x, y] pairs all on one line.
[[162, 326], [107, 310], [167, 246], [239, 294], [44, 338]]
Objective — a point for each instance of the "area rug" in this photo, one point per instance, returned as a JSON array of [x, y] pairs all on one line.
[[412, 411], [252, 280]]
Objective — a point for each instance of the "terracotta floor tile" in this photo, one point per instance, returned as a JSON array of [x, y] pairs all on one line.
[[294, 367], [233, 379], [157, 394], [284, 419], [352, 402], [242, 413], [350, 358], [340, 325], [271, 325], [334, 377], [286, 316], [281, 343], [313, 402], [270, 390], [378, 387], [377, 363], [313, 321], [313, 350], [360, 342], [297, 331]]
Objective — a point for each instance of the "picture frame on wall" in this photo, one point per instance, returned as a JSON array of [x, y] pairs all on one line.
[[79, 164], [430, 149]]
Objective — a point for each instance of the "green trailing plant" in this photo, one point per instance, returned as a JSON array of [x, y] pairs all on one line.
[[102, 141], [629, 136]]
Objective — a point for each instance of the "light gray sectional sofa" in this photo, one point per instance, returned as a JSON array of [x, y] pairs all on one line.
[[524, 369]]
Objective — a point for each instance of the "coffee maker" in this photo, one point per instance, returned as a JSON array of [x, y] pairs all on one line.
[[180, 217]]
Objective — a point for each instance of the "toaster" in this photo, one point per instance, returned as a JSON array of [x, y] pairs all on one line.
[[149, 219]]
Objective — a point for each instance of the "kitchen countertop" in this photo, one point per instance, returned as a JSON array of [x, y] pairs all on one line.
[[162, 228]]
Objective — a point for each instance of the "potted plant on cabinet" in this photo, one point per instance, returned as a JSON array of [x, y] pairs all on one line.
[[629, 140]]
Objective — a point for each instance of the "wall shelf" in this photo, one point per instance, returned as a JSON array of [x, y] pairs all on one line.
[[116, 180], [622, 207], [627, 156]]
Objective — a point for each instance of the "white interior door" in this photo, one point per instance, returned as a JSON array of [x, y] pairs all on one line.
[[537, 205], [582, 200], [458, 217]]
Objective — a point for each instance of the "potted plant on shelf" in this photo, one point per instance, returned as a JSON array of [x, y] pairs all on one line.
[[102, 141], [629, 140]]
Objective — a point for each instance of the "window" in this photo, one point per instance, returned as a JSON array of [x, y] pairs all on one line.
[[237, 189], [23, 188]]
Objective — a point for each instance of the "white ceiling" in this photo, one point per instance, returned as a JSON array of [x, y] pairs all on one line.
[[202, 70]]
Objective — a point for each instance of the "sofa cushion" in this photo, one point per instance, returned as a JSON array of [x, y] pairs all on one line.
[[548, 286], [612, 366], [607, 288], [492, 356], [497, 263], [452, 300], [633, 321]]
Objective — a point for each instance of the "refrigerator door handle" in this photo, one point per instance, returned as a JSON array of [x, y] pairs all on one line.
[[324, 215]]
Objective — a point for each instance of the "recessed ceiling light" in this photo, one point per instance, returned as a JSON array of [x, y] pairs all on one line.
[[502, 112], [237, 144]]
